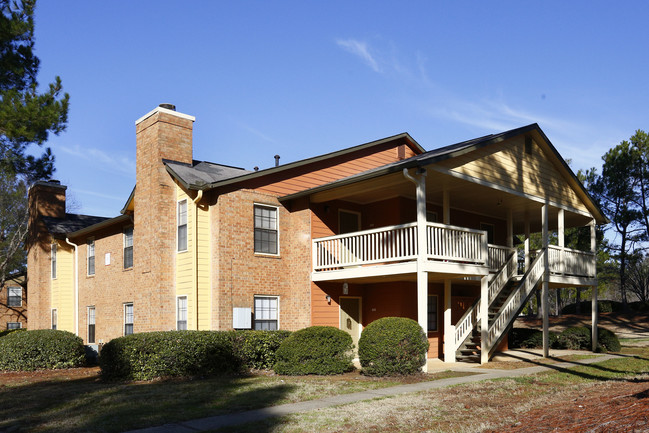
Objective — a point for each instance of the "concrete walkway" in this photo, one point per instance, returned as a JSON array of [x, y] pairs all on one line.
[[215, 422]]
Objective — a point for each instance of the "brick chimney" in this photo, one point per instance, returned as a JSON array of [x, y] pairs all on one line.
[[161, 134]]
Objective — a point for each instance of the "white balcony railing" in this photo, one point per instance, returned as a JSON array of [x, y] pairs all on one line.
[[498, 256], [399, 243], [566, 261]]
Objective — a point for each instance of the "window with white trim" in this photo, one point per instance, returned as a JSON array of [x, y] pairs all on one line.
[[432, 313], [53, 259], [266, 313], [128, 319], [15, 296], [128, 247], [91, 256], [91, 325], [14, 325], [182, 225], [54, 318], [266, 234], [181, 320]]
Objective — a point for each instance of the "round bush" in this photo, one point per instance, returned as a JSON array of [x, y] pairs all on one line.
[[150, 355], [608, 340], [577, 338], [391, 346], [527, 338], [41, 349], [9, 331], [315, 350], [257, 348]]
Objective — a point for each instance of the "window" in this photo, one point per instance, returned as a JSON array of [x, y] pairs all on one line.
[[181, 322], [53, 258], [128, 247], [489, 228], [267, 313], [91, 324], [128, 319], [54, 318], [266, 237], [14, 325], [15, 296], [91, 256], [432, 313], [182, 225], [348, 221]]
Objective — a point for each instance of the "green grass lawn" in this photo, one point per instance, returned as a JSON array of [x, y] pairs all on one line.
[[85, 403]]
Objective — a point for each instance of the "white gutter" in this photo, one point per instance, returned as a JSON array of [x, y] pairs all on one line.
[[76, 285]]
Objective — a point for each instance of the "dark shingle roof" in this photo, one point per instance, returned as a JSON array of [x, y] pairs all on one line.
[[71, 223], [203, 173]]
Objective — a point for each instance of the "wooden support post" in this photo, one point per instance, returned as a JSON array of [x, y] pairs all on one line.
[[510, 229], [594, 316], [561, 240], [527, 243], [546, 284], [484, 319], [449, 329], [446, 208]]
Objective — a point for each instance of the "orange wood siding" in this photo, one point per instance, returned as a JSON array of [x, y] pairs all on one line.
[[328, 170]]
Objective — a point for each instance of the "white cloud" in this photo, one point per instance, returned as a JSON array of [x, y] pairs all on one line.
[[360, 49], [104, 161]]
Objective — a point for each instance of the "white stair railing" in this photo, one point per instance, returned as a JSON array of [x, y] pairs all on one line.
[[499, 280], [515, 301]]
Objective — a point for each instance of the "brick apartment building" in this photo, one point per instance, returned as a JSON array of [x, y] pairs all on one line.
[[341, 239]]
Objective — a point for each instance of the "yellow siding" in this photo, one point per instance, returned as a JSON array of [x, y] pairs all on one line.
[[63, 287], [509, 165], [204, 291], [185, 269]]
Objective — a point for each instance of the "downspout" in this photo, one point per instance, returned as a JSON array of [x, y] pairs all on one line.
[[76, 286], [198, 198]]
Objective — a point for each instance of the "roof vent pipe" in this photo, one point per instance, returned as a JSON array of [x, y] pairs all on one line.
[[276, 160], [171, 107], [256, 168]]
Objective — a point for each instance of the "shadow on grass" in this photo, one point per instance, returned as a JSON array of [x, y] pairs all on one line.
[[612, 372], [92, 405]]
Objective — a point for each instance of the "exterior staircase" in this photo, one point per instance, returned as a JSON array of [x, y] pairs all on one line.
[[507, 296]]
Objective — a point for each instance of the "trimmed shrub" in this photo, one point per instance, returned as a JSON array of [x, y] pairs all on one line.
[[577, 338], [315, 350], [9, 331], [526, 338], [392, 346], [150, 355], [608, 340], [257, 349], [603, 306], [41, 349]]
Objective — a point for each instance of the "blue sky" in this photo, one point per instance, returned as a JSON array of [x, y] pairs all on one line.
[[304, 78]]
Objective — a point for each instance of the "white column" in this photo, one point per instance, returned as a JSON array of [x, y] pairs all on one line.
[[594, 320], [527, 243], [449, 329], [510, 229], [446, 208], [484, 319], [422, 276], [560, 235], [546, 285], [594, 309]]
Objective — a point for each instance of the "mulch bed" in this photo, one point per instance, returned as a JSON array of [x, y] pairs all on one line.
[[614, 407]]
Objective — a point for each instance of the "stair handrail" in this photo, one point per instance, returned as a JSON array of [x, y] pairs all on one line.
[[504, 274], [467, 322], [514, 302], [471, 316]]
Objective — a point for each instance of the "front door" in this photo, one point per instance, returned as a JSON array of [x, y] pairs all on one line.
[[350, 318]]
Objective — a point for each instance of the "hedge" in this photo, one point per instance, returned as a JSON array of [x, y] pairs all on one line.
[[150, 355], [41, 349], [9, 331], [319, 350], [257, 348], [392, 345], [527, 338], [576, 338]]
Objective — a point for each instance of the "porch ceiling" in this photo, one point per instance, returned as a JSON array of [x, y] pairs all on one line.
[[464, 195]]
